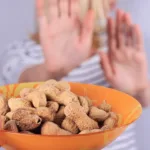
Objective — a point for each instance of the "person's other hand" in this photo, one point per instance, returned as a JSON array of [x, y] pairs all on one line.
[[125, 64], [66, 43]]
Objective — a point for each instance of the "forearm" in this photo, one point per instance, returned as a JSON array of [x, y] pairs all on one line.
[[39, 73]]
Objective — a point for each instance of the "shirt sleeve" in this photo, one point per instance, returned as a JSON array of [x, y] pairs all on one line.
[[16, 58]]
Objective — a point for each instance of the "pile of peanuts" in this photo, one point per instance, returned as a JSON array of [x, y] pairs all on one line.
[[52, 109]]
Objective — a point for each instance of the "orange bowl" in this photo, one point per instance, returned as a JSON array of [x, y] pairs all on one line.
[[128, 108]]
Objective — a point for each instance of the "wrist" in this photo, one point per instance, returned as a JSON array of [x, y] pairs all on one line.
[[52, 73], [39, 73], [143, 95]]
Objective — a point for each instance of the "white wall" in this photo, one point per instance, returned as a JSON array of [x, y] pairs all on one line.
[[17, 22]]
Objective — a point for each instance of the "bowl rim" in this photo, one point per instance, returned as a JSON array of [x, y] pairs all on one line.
[[76, 135]]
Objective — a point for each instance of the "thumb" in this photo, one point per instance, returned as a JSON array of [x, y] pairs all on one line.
[[106, 65]]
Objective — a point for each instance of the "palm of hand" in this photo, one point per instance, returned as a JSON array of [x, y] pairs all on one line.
[[125, 64], [66, 43], [130, 69]]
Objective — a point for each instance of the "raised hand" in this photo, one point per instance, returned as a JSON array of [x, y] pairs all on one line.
[[65, 41], [125, 64]]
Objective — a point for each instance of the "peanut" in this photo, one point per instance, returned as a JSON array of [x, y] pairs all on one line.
[[114, 116], [98, 114], [22, 113], [49, 128], [70, 126], [105, 128], [46, 84], [112, 121], [3, 105], [24, 92], [37, 98], [52, 88], [15, 103], [3, 120], [47, 114], [53, 105], [50, 91], [9, 115], [76, 113], [50, 82], [63, 86], [89, 101], [60, 115], [105, 106], [26, 119], [11, 126], [66, 97], [28, 123], [90, 131], [84, 103]]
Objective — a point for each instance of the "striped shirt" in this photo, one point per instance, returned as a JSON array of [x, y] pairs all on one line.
[[20, 55]]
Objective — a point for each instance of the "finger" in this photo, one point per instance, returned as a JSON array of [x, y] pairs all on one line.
[[111, 36], [112, 4], [128, 29], [106, 7], [75, 7], [53, 9], [43, 32], [40, 8], [88, 26], [98, 8], [42, 20], [138, 38], [120, 34], [106, 65], [64, 7]]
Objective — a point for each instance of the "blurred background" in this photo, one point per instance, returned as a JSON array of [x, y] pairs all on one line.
[[17, 22]]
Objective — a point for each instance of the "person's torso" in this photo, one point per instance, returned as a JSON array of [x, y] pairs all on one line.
[[29, 53]]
